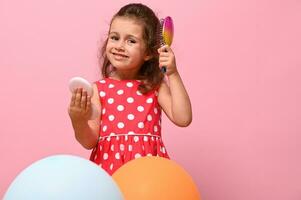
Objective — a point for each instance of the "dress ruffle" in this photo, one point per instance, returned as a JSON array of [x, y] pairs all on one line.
[[114, 151]]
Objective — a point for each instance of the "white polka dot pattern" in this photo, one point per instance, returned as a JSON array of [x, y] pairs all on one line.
[[120, 125], [131, 133], [120, 107], [126, 113], [110, 100], [131, 116], [140, 108], [120, 92], [141, 125], [137, 155], [111, 117], [136, 138], [149, 100], [129, 84], [130, 100], [102, 94]]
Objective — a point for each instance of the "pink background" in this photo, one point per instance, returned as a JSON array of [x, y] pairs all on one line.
[[240, 60]]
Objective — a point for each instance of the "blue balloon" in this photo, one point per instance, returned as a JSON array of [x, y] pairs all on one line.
[[63, 177]]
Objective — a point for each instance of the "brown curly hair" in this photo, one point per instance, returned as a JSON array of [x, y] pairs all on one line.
[[149, 73]]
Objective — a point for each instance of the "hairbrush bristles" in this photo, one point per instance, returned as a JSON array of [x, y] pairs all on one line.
[[165, 34], [160, 34]]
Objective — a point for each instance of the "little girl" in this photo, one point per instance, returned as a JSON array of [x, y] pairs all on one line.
[[131, 94]]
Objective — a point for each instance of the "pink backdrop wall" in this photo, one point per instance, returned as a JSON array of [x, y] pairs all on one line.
[[241, 64]]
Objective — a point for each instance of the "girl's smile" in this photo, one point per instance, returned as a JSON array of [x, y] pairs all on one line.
[[119, 56]]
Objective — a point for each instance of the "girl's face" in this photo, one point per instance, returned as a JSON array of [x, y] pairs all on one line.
[[126, 48]]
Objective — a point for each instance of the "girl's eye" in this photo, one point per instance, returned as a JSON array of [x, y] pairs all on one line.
[[114, 38], [132, 41]]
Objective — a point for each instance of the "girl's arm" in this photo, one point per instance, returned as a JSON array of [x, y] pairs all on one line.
[[173, 99], [86, 131]]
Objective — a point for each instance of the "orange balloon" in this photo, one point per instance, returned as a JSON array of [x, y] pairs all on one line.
[[155, 178]]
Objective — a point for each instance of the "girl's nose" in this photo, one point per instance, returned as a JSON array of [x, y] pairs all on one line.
[[119, 46]]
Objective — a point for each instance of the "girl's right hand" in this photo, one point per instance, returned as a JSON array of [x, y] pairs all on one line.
[[80, 106]]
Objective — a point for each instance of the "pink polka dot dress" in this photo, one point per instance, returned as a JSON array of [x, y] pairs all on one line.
[[130, 124]]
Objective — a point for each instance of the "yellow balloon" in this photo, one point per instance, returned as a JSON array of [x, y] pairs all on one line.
[[150, 178]]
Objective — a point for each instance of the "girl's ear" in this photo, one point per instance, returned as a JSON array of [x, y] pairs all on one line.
[[148, 57]]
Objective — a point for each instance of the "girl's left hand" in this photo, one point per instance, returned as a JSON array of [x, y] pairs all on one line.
[[167, 59]]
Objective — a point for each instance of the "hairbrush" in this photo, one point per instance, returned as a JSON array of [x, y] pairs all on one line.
[[166, 34]]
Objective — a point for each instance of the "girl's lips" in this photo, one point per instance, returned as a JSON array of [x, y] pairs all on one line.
[[120, 55]]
